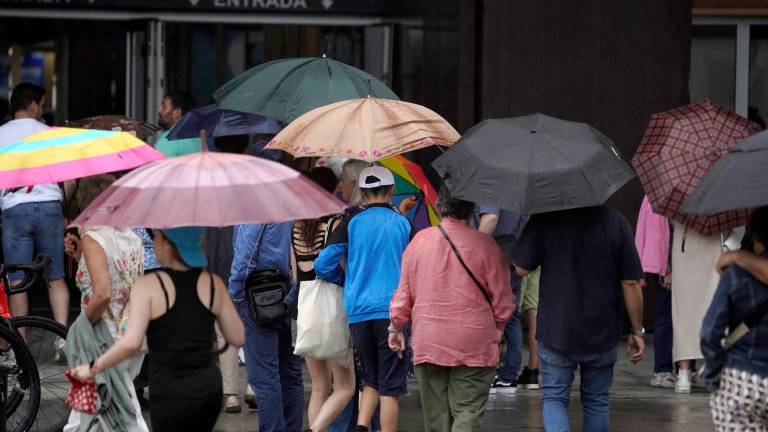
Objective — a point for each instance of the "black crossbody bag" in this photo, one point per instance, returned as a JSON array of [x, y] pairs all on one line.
[[463, 264], [265, 291]]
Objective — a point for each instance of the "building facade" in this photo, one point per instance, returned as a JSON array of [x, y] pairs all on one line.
[[610, 63]]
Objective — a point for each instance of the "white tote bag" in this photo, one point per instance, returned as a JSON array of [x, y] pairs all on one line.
[[322, 328]]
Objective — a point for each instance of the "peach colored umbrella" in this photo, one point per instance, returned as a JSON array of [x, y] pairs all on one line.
[[368, 129]]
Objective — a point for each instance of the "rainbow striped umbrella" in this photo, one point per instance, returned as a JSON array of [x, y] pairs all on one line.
[[60, 154], [411, 181]]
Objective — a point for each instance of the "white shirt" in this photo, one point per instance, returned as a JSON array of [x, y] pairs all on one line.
[[14, 131]]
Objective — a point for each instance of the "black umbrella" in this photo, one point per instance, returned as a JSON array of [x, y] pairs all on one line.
[[533, 164], [739, 180]]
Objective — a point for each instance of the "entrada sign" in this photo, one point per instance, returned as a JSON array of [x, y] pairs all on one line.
[[290, 6]]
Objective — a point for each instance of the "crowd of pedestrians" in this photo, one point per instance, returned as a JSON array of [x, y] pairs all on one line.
[[448, 303]]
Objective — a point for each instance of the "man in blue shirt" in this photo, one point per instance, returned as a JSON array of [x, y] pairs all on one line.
[[373, 241], [274, 372], [588, 260]]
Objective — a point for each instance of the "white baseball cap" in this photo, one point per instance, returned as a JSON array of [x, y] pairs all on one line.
[[375, 176]]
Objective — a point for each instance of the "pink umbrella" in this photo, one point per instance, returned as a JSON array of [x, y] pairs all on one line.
[[208, 189]]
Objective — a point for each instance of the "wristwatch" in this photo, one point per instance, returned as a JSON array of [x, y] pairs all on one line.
[[393, 330], [639, 333]]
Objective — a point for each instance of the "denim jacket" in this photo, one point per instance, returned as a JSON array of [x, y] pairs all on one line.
[[258, 247], [737, 297]]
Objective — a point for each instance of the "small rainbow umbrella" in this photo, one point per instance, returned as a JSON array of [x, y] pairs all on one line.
[[60, 154], [410, 180]]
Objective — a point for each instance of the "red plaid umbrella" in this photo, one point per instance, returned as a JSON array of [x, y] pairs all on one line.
[[678, 148]]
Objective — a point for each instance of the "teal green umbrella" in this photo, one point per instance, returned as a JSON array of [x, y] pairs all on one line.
[[285, 89]]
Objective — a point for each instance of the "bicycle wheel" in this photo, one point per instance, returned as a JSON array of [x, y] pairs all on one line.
[[22, 385], [41, 336]]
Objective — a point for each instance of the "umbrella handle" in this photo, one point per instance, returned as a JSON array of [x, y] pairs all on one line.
[[325, 45], [203, 141]]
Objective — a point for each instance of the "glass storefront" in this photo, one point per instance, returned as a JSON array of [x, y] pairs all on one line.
[[124, 65], [206, 56], [729, 64], [713, 64], [758, 73]]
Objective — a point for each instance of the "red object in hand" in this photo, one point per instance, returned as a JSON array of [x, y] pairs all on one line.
[[83, 396]]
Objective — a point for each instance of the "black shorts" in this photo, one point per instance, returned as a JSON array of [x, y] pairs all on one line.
[[383, 370]]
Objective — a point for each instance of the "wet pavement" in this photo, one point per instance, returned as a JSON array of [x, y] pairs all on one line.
[[635, 407]]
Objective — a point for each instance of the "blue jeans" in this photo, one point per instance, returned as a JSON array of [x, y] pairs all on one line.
[[274, 373], [513, 334], [557, 370], [662, 330], [32, 228]]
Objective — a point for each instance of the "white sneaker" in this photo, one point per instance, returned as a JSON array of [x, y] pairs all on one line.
[[683, 384], [663, 380], [60, 354]]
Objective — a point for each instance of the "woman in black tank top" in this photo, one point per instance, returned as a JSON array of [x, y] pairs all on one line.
[[177, 308]]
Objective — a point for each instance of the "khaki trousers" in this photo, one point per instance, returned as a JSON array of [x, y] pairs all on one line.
[[453, 398], [230, 371]]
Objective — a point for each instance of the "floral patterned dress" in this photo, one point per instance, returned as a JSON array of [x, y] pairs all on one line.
[[125, 257]]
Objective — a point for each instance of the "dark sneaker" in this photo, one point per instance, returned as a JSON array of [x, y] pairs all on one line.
[[529, 379], [501, 386], [252, 405]]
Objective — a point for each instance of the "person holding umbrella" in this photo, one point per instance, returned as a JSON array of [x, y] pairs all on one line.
[[679, 147], [588, 260], [176, 310], [32, 216], [274, 371], [561, 173], [110, 262]]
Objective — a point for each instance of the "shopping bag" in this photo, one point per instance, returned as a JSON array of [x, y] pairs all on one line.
[[322, 328]]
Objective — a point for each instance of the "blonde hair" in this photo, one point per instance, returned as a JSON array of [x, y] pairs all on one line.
[[352, 169]]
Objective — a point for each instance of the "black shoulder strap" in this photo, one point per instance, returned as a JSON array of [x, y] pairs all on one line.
[[213, 292], [165, 291], [463, 264]]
